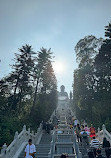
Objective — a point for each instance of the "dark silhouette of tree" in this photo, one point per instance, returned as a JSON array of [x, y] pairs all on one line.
[[102, 67], [44, 56], [84, 78], [45, 95], [28, 94]]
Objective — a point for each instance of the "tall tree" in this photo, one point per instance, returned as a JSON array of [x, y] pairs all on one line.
[[45, 95], [44, 56], [84, 79], [20, 78], [103, 74]]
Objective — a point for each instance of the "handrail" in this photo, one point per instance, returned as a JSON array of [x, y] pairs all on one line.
[[53, 114], [106, 134], [76, 146], [20, 139], [50, 155]]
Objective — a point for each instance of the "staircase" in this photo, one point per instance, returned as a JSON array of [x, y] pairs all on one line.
[[43, 148], [90, 149]]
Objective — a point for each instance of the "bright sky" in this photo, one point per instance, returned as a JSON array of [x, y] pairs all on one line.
[[55, 24]]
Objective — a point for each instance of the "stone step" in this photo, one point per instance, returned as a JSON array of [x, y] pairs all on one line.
[[83, 151], [43, 148]]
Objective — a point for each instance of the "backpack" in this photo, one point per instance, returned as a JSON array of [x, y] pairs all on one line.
[[84, 135]]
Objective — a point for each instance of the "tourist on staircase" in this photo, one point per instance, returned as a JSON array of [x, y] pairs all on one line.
[[44, 126], [86, 128], [82, 127], [106, 145], [75, 122], [95, 144], [98, 152], [30, 150], [48, 127], [92, 132], [70, 126], [64, 155], [85, 138], [78, 130]]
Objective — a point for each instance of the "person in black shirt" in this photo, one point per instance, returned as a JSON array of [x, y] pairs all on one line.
[[106, 145], [99, 154], [64, 155]]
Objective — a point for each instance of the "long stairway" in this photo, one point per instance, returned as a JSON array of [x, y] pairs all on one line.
[[43, 148]]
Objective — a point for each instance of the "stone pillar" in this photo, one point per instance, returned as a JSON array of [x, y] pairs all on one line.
[[33, 132], [29, 130], [16, 135], [103, 127], [24, 128], [40, 125], [99, 134], [4, 147]]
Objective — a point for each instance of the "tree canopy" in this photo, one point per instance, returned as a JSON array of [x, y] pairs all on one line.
[[92, 79], [28, 94]]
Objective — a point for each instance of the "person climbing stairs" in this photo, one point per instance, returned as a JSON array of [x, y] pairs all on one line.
[[43, 148]]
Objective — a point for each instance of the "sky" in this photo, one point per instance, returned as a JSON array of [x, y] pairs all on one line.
[[55, 24]]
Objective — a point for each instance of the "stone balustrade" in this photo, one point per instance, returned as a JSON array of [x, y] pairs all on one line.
[[52, 149], [103, 133], [53, 114], [19, 142], [106, 134], [76, 146]]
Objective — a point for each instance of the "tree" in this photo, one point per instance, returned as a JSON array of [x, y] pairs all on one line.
[[86, 49], [20, 78], [45, 95], [84, 78], [31, 75], [102, 67], [44, 57]]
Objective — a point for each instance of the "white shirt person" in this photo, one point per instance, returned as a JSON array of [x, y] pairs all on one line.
[[30, 149], [75, 122]]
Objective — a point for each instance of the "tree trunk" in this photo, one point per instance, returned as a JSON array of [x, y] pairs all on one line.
[[35, 94], [16, 85]]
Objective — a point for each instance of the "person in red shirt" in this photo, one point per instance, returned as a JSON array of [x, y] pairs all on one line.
[[92, 131]]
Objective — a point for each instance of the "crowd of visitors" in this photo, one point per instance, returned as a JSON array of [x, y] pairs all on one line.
[[87, 138], [47, 126]]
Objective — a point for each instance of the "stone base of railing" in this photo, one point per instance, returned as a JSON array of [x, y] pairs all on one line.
[[19, 142], [20, 150]]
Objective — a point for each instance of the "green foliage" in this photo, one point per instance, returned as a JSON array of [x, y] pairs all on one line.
[[92, 80], [28, 94]]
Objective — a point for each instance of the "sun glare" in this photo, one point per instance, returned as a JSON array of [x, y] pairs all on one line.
[[58, 67]]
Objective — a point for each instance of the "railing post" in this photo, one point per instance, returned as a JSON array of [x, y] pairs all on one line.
[[33, 132], [29, 130], [24, 128], [16, 135], [99, 133], [40, 126], [103, 127], [76, 146], [4, 147]]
